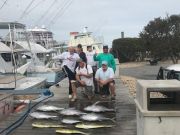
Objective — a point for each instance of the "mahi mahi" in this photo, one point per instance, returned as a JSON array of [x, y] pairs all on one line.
[[71, 112], [95, 117], [89, 126], [46, 125], [49, 108], [70, 131], [39, 115]]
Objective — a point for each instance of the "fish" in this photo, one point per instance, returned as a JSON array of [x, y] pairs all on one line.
[[49, 108], [70, 131], [39, 115], [97, 108], [70, 121], [46, 125], [71, 112], [90, 126], [95, 117]]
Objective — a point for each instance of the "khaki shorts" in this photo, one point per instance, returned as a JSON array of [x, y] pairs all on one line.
[[88, 89]]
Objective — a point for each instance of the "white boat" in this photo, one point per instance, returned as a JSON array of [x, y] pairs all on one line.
[[9, 78], [41, 36], [85, 38], [40, 57]]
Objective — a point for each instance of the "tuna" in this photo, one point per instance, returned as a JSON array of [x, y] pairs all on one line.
[[95, 117], [39, 115], [49, 108], [70, 121], [97, 108], [71, 112]]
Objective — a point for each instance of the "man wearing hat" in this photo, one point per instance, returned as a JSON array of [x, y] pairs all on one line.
[[84, 78], [105, 56], [90, 61], [105, 79]]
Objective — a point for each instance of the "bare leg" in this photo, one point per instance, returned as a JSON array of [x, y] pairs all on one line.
[[112, 89], [74, 90]]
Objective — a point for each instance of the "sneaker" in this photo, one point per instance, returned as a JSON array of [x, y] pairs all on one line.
[[70, 96], [90, 97], [73, 99], [57, 85], [112, 97], [96, 92], [103, 96]]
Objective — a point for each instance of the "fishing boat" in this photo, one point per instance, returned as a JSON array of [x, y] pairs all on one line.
[[86, 38], [41, 36], [39, 57], [9, 61]]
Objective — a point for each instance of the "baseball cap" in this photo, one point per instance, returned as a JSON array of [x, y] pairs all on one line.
[[105, 47], [104, 63], [80, 60]]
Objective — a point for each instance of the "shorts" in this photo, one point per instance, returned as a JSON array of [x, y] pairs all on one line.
[[105, 89], [88, 89]]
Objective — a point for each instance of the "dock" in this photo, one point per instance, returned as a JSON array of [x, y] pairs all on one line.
[[125, 114]]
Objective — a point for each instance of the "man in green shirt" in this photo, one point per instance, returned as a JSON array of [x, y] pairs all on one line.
[[105, 56]]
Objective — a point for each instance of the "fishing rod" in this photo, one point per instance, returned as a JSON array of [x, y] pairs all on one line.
[[5, 2], [46, 12], [24, 13], [40, 2], [60, 12]]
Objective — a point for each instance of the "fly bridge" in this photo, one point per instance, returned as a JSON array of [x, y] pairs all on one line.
[[158, 107]]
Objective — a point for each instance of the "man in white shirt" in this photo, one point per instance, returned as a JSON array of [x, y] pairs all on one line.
[[84, 78], [68, 64], [105, 79], [90, 61]]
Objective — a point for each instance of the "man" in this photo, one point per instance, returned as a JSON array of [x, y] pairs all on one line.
[[82, 55], [105, 79], [105, 56], [68, 64], [90, 61], [84, 78]]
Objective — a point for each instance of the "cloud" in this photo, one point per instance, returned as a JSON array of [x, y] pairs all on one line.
[[104, 17]]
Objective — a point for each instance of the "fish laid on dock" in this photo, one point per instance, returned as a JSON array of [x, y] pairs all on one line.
[[71, 112], [70, 131], [49, 108], [91, 126], [70, 121], [95, 117], [39, 115], [97, 108], [46, 125]]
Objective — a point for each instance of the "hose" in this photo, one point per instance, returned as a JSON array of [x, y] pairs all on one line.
[[21, 120]]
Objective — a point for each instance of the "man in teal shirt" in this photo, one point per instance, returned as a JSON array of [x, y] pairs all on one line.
[[105, 56]]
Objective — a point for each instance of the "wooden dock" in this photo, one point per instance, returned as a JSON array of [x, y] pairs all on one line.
[[124, 105]]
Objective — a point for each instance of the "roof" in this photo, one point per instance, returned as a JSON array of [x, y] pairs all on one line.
[[175, 67], [4, 48], [35, 48], [5, 25]]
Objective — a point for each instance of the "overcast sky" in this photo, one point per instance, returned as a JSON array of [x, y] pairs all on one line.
[[107, 18]]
